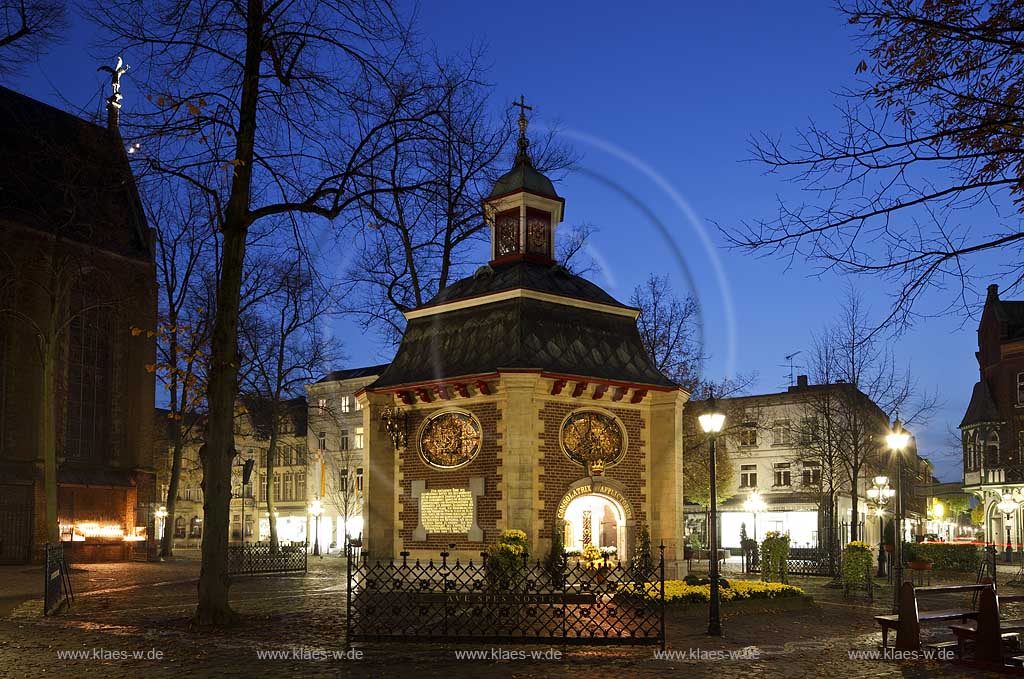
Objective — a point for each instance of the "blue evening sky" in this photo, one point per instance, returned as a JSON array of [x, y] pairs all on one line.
[[661, 99]]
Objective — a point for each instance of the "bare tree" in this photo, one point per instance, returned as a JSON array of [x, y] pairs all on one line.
[[283, 339], [669, 330], [270, 109], [184, 241], [930, 138], [26, 28], [421, 238]]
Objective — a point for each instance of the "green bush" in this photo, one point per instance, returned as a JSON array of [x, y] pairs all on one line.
[[774, 555], [944, 556], [506, 561], [856, 564]]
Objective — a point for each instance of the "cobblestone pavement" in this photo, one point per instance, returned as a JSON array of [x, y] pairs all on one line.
[[145, 609]]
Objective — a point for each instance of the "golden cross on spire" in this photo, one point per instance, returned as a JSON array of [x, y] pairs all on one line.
[[523, 141]]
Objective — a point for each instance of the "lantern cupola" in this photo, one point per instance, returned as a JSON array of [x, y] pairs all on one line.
[[523, 208]]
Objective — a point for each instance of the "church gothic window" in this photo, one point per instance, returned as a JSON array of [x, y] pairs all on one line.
[[89, 384]]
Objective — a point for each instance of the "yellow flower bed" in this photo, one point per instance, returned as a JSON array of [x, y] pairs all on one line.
[[677, 591]]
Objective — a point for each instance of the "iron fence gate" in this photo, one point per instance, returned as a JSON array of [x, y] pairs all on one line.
[[15, 523], [506, 600]]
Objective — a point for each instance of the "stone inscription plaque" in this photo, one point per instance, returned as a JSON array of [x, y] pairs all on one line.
[[447, 510]]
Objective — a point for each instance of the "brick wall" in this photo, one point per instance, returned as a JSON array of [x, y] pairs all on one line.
[[559, 472], [485, 465]]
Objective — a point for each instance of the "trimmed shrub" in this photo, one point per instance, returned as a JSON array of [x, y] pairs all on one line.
[[678, 591], [945, 556], [856, 564], [774, 555]]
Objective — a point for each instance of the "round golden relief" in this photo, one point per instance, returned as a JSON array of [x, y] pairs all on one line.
[[590, 436], [450, 439]]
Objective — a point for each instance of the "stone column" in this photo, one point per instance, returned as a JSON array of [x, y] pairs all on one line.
[[665, 478], [520, 451], [380, 521]]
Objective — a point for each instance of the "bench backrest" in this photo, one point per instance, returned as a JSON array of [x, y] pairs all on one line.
[[908, 632]]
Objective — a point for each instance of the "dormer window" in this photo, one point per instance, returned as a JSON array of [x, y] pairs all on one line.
[[506, 233]]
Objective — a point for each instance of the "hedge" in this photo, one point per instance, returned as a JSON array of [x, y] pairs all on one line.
[[678, 591], [944, 556]]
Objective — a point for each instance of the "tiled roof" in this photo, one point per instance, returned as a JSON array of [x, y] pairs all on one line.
[[522, 333], [353, 373], [523, 177], [64, 175], [551, 278], [982, 407]]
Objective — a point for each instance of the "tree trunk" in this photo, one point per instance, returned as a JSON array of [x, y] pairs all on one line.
[[854, 477], [167, 539], [222, 387], [48, 437], [271, 506]]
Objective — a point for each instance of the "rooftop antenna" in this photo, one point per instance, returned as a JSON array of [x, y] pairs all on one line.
[[791, 366]]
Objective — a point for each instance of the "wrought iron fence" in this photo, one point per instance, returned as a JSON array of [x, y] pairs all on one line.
[[506, 600], [801, 561], [260, 559], [57, 592]]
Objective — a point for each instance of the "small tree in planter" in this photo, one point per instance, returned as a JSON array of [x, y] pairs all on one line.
[[857, 562], [643, 559], [889, 536], [506, 561], [555, 563], [774, 556]]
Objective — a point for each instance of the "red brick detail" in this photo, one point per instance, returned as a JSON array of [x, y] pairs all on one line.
[[425, 395], [485, 464], [599, 392], [462, 389], [483, 387], [638, 395], [407, 397], [557, 386], [618, 393], [559, 472], [578, 389]]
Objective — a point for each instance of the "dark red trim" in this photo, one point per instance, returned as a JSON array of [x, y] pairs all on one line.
[[599, 391], [638, 395], [557, 387], [578, 389]]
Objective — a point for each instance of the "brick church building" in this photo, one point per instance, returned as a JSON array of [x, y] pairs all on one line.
[[76, 274], [521, 397], [992, 429]]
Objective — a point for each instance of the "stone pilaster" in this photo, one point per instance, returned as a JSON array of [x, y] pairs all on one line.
[[665, 465], [519, 456]]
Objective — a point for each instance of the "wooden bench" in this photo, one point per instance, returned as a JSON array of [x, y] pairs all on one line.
[[907, 622], [992, 632]]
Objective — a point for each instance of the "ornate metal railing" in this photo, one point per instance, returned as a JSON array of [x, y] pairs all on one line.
[[801, 561], [506, 601], [260, 559]]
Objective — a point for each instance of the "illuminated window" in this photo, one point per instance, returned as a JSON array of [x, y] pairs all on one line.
[[359, 479], [359, 438], [346, 404]]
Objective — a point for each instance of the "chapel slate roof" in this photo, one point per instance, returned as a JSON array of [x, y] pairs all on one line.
[[551, 278], [522, 333], [982, 407], [67, 176]]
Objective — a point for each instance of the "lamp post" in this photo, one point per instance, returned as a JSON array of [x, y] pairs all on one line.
[[1007, 506], [755, 505], [711, 421], [879, 494], [316, 509], [897, 440], [161, 515]]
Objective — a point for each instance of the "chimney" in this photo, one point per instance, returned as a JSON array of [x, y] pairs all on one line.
[[993, 292], [801, 380]]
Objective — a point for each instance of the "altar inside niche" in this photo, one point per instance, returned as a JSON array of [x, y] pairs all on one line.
[[597, 519]]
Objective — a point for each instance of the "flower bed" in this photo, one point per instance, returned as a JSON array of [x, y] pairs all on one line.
[[677, 591]]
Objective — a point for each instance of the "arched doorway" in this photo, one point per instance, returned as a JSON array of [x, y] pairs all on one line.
[[595, 519]]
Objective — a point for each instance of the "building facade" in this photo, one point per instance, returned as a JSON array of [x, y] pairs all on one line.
[[76, 276], [778, 453], [992, 429], [250, 513], [337, 445], [522, 398]]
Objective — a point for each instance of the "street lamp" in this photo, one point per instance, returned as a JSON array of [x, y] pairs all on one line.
[[1008, 507], [880, 493], [755, 505], [316, 509], [711, 421], [161, 515], [897, 440]]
